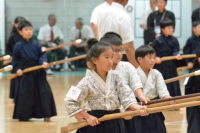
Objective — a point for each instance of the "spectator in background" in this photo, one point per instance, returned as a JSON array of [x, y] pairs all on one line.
[[196, 14], [49, 36], [95, 15], [79, 31], [143, 23], [154, 18]]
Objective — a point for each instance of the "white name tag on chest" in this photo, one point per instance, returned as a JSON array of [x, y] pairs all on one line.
[[74, 93]]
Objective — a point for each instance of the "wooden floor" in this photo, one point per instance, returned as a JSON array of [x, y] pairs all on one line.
[[60, 83]]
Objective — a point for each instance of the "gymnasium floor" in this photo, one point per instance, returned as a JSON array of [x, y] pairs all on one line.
[[60, 83]]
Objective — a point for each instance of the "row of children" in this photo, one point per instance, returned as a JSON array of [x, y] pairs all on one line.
[[106, 90], [31, 91]]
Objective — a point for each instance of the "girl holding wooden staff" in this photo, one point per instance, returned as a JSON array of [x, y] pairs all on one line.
[[193, 86], [104, 90], [14, 38], [33, 98], [167, 45]]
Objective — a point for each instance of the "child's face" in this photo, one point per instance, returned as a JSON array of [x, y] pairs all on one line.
[[26, 32], [104, 62], [117, 53], [168, 30], [196, 30], [147, 62]]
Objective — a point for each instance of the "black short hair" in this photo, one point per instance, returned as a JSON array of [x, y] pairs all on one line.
[[166, 22], [195, 23], [112, 38], [164, 0], [113, 33], [24, 24], [143, 50]]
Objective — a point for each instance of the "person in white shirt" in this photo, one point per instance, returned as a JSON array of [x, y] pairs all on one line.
[[79, 31], [143, 23], [50, 35], [95, 15], [115, 19]]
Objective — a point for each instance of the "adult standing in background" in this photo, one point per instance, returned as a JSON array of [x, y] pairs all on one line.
[[95, 15], [115, 19], [196, 14], [154, 18], [143, 23], [79, 31], [49, 36]]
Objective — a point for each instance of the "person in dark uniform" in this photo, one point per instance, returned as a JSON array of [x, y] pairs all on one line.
[[192, 86], [167, 45], [143, 23], [14, 38], [154, 18], [34, 98], [196, 14], [193, 43]]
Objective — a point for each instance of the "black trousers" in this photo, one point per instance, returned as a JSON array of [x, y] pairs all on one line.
[[73, 50], [148, 37]]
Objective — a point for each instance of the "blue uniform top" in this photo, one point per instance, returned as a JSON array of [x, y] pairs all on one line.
[[191, 47], [166, 46], [14, 38], [27, 54]]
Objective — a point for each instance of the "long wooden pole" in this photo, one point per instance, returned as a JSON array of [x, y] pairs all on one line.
[[190, 99], [7, 68], [48, 49], [64, 45], [172, 99], [77, 125], [6, 57], [12, 76], [174, 57], [183, 76]]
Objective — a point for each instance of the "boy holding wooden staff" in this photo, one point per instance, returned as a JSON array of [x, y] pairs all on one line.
[[167, 45], [154, 87], [34, 98]]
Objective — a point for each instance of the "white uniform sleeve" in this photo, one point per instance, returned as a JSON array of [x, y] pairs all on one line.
[[126, 31], [126, 95], [72, 106], [135, 82], [94, 16], [160, 85]]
